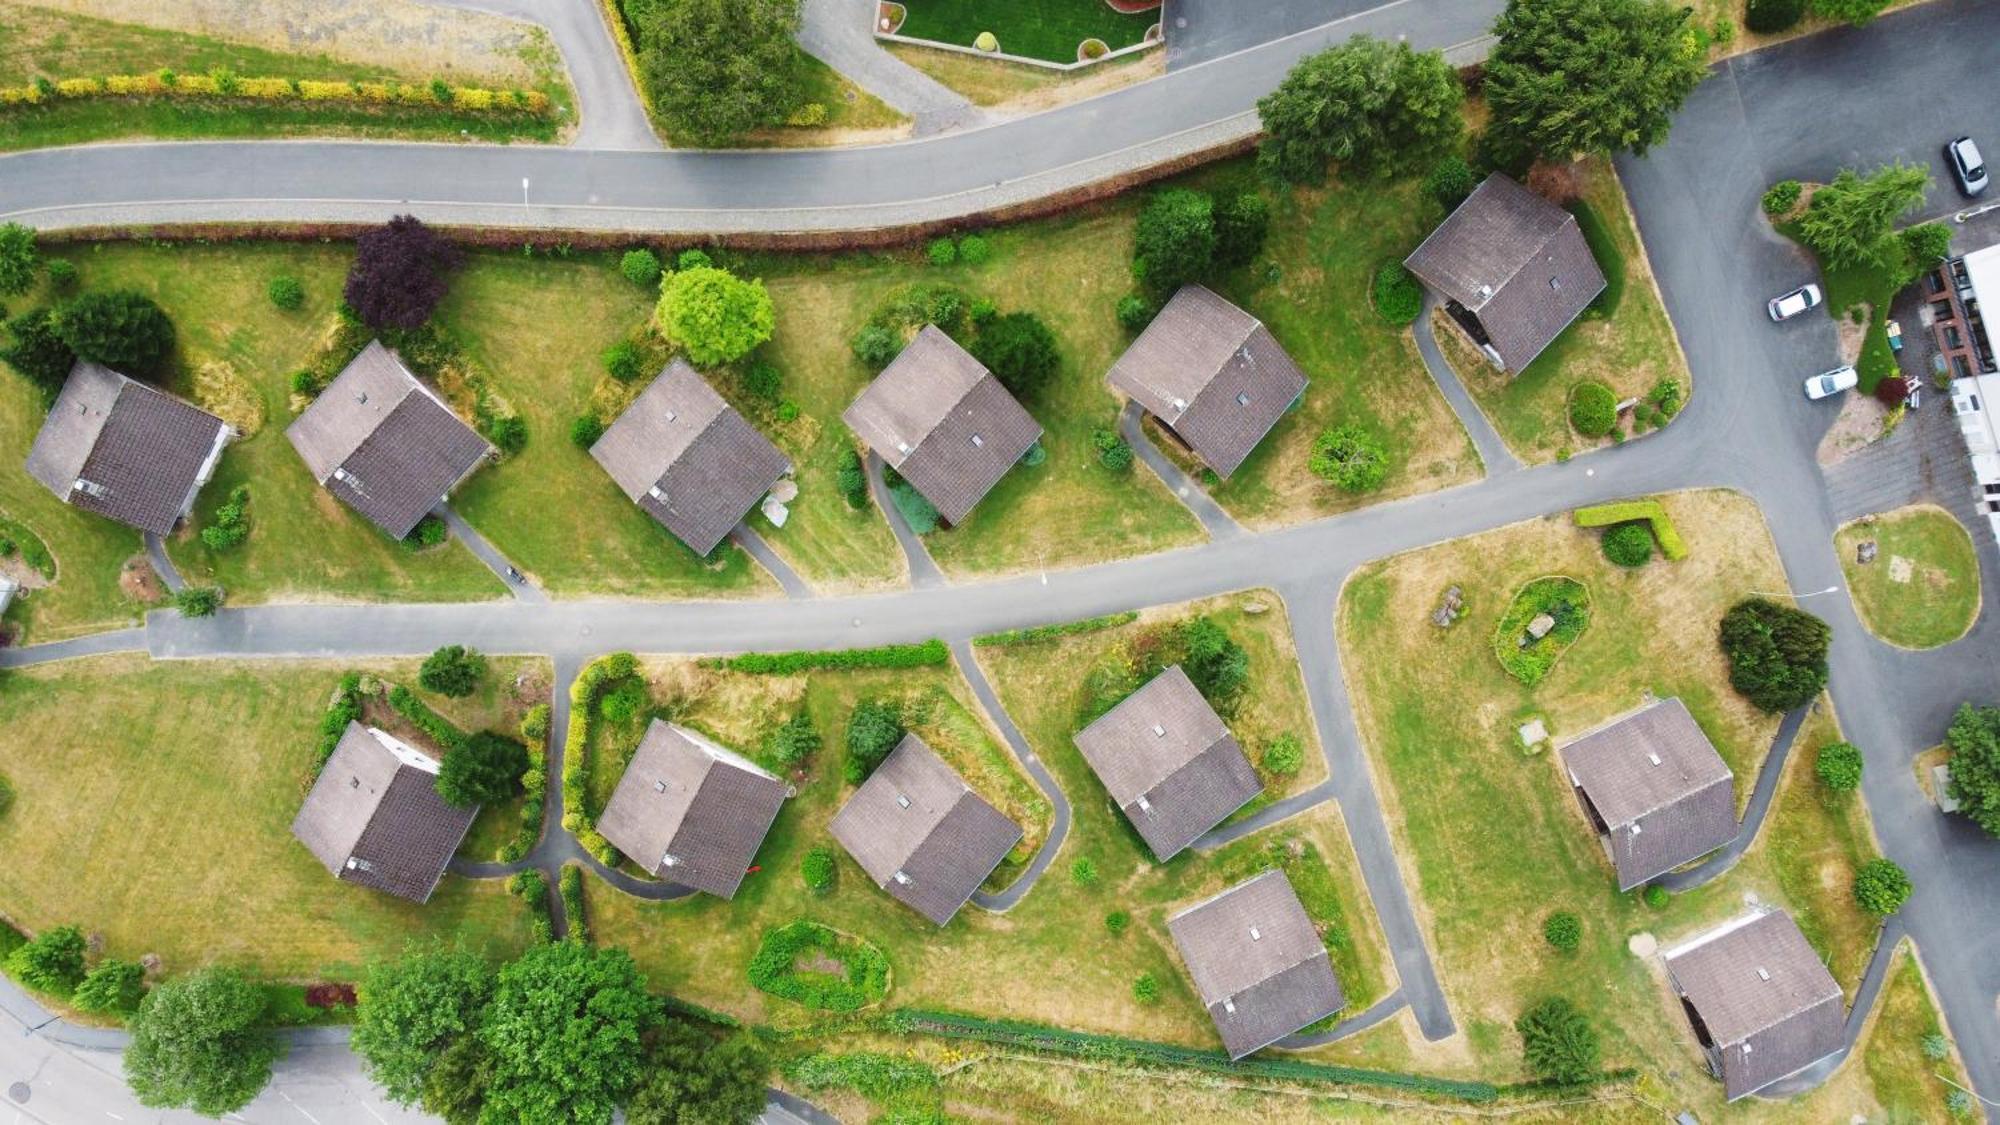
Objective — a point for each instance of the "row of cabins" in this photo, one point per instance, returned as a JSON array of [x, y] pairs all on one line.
[[1512, 269]]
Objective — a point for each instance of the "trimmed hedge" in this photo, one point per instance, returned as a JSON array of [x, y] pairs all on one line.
[[1625, 511], [582, 701], [926, 654], [224, 84], [345, 708], [436, 726], [570, 883], [773, 968], [1041, 633], [1140, 1052]]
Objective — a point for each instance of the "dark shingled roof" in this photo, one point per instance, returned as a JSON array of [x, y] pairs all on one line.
[[383, 442], [1499, 254], [1665, 795], [1211, 372], [684, 797], [374, 816], [143, 453], [1770, 1006], [1169, 762], [921, 833], [1258, 962], [942, 420], [688, 458]]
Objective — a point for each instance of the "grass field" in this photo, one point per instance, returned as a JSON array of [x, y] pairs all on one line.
[[155, 804], [1630, 349], [1490, 836], [1010, 87], [1931, 604], [1905, 1081], [1038, 29], [54, 44]]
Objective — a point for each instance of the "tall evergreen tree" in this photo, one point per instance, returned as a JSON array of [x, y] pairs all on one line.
[[1575, 77]]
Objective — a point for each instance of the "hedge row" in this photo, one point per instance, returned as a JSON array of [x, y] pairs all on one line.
[[439, 729], [534, 785], [223, 84], [1050, 632], [1652, 511], [570, 882], [1140, 1052], [582, 704], [532, 887], [345, 708], [928, 654]]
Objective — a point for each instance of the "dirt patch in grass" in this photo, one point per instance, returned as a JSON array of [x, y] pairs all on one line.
[[140, 582], [1861, 422], [1922, 589]]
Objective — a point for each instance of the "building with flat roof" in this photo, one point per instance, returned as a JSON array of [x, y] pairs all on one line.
[[1957, 294]]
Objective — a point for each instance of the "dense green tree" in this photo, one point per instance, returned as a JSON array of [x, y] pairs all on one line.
[[455, 1086], [452, 670], [18, 258], [1852, 221], [713, 315], [793, 742], [1350, 457], [486, 769], [1856, 12], [690, 1079], [1242, 222], [51, 962], [1175, 239], [1881, 887], [563, 1030], [873, 730], [1450, 181], [36, 351], [1215, 663], [1373, 107], [1558, 1041], [120, 329], [111, 986], [1925, 243], [198, 1042], [412, 1008], [1974, 739], [1570, 77], [717, 69], [1020, 351], [1777, 654]]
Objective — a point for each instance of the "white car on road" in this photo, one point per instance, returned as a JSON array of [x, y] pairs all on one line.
[[1831, 383], [1793, 303]]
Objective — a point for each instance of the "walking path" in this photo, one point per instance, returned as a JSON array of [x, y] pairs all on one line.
[[924, 572], [837, 33], [163, 564], [770, 560], [1218, 523], [518, 586], [1377, 1012], [611, 115], [1492, 450], [975, 677], [1769, 777]]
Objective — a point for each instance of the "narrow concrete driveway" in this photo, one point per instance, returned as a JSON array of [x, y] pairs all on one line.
[[610, 112]]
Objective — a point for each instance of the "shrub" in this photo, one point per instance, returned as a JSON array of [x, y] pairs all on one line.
[[286, 292], [1656, 896], [62, 274], [1116, 921], [1936, 1047], [1959, 1104], [1398, 298], [36, 350], [1175, 239], [984, 310], [1855, 12], [112, 986], [232, 521], [453, 671], [535, 724], [1563, 930], [1084, 870], [917, 511], [6, 796], [1666, 396], [1593, 409], [509, 434], [1285, 755], [928, 654], [1768, 16], [624, 361], [51, 962], [1777, 654], [120, 329], [399, 274], [763, 380], [640, 267], [974, 250], [585, 431], [1450, 181], [1353, 459], [852, 480], [876, 345], [1628, 544], [873, 730], [1020, 351], [1881, 887], [198, 601], [1652, 511], [1112, 450], [1241, 224], [816, 868], [1925, 243], [1146, 989], [1839, 766], [484, 769], [1564, 599], [18, 258], [429, 532], [1558, 1041], [1783, 195], [795, 740], [713, 315], [941, 252], [1893, 391], [624, 702], [787, 412], [1217, 666], [774, 968], [1375, 107], [1135, 312], [435, 726]]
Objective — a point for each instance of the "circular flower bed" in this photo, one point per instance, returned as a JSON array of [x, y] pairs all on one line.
[[986, 41], [820, 967], [1091, 49], [1556, 608], [889, 17]]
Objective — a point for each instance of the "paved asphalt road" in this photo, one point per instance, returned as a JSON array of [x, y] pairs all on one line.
[[608, 106], [955, 174], [1202, 30]]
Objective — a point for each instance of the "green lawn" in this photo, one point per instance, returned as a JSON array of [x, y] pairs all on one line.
[[236, 353], [42, 42], [1038, 29], [1906, 1083], [1491, 834], [1931, 603], [154, 807], [1629, 346]]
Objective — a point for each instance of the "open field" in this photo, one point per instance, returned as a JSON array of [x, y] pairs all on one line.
[[193, 772], [1922, 590], [1491, 837], [1051, 30]]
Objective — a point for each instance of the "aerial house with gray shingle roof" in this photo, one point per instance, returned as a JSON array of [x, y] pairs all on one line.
[[689, 458], [119, 448], [1760, 1001], [943, 421], [385, 443], [1258, 962], [921, 833], [1653, 786], [374, 817], [1512, 269], [1212, 374], [1169, 762], [691, 812]]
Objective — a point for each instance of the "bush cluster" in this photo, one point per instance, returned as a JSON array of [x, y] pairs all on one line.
[[1783, 195], [1186, 235], [624, 361], [1628, 544], [1285, 755], [773, 968], [532, 887], [51, 962], [1113, 451], [286, 292], [1039, 633], [436, 727], [198, 601], [1881, 887], [1564, 599], [569, 884], [584, 432], [1563, 930], [876, 346], [429, 532], [795, 740], [1350, 457], [1838, 766], [873, 730], [851, 480], [925, 654], [1593, 409], [817, 868], [453, 670], [641, 267], [232, 521], [1399, 299], [1777, 654]]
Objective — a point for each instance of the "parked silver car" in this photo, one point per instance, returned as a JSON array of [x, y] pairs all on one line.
[[1966, 164], [1793, 303]]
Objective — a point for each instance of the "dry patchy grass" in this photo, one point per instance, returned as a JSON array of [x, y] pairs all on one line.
[[1010, 88], [1936, 599]]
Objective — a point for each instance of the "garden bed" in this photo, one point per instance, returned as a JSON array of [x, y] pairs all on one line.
[[1562, 604], [1045, 30], [820, 967]]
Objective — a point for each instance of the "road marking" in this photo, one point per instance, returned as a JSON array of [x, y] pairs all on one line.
[[297, 1106]]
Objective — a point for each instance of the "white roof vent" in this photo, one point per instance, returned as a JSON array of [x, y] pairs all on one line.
[[902, 878], [1159, 731], [659, 786], [1485, 291], [1229, 1006], [902, 801], [92, 488], [671, 415], [1635, 829], [669, 860], [1180, 404], [1652, 757], [1763, 973], [361, 396], [1255, 934], [657, 493], [902, 447], [977, 441], [1145, 805], [1555, 283], [1242, 398]]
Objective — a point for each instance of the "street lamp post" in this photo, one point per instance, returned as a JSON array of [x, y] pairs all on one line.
[[524, 193]]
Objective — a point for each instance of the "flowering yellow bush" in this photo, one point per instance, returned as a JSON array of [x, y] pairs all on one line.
[[79, 87], [166, 83]]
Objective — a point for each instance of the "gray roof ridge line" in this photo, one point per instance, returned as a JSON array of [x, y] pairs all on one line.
[[1569, 220], [1192, 759], [946, 416]]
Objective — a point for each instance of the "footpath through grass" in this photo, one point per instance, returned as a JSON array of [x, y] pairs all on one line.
[[1922, 589], [1051, 30]]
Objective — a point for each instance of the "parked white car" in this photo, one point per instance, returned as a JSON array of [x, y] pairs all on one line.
[[1831, 383], [1793, 303]]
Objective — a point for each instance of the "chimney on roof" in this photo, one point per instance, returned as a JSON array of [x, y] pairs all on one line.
[[902, 447], [1180, 404], [671, 416], [977, 441], [660, 786], [1229, 1006], [1485, 291], [902, 878]]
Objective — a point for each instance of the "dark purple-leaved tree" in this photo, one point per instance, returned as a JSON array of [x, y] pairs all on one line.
[[398, 276]]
